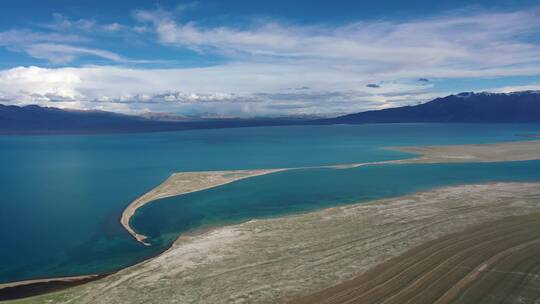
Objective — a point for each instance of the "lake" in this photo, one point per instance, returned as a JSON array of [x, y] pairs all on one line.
[[62, 196]]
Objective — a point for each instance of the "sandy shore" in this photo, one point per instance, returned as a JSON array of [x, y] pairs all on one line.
[[280, 259], [508, 151], [182, 183]]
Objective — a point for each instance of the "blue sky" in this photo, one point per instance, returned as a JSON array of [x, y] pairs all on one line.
[[249, 58]]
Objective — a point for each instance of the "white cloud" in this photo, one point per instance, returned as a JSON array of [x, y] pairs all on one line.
[[65, 40], [336, 66], [509, 89], [141, 29], [61, 53], [248, 89], [451, 43], [62, 23], [54, 47], [15, 38], [112, 27]]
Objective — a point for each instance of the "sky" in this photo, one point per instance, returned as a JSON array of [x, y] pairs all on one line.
[[262, 58]]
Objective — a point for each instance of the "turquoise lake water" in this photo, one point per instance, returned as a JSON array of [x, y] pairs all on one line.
[[306, 190], [62, 196]]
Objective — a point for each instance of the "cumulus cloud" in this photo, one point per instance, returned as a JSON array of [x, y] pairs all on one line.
[[201, 90], [273, 68], [175, 97]]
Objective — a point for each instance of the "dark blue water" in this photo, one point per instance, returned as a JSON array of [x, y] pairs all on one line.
[[62, 196]]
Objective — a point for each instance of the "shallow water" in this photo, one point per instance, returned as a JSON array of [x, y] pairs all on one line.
[[62, 196]]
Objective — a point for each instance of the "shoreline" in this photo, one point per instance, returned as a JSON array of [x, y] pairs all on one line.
[[180, 183], [425, 155], [282, 259], [228, 235], [45, 280], [54, 284], [208, 180], [28, 288], [183, 183]]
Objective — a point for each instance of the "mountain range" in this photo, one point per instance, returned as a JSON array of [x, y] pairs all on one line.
[[469, 107], [35, 119]]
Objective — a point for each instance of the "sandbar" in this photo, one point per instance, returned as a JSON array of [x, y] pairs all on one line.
[[183, 183], [497, 152], [187, 182]]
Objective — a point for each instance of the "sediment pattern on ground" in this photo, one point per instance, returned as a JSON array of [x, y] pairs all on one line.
[[496, 262]]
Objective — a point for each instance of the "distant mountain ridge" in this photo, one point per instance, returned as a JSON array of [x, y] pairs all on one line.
[[516, 107], [469, 107], [35, 119]]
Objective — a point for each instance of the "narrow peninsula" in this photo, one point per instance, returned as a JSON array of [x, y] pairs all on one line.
[[188, 182], [182, 183]]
